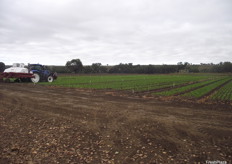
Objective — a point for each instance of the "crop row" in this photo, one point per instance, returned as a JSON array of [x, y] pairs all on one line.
[[183, 89], [190, 86], [128, 82], [205, 90], [224, 94]]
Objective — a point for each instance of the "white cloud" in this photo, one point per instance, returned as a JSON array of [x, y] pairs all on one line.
[[115, 31]]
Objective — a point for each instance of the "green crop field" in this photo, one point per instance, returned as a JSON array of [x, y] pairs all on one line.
[[186, 88], [185, 85], [125, 82], [206, 89], [224, 94]]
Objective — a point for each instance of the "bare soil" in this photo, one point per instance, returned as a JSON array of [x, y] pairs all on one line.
[[40, 124]]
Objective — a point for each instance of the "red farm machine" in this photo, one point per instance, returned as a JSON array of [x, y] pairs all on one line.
[[33, 72]]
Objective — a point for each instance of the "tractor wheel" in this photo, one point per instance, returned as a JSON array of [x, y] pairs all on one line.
[[36, 78], [50, 79]]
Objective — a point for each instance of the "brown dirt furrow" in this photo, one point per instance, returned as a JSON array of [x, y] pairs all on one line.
[[40, 124], [206, 96], [217, 88], [192, 89], [170, 87]]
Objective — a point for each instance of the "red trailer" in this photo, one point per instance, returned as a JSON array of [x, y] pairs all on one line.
[[6, 76]]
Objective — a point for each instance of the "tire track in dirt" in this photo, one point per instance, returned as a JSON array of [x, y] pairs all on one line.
[[51, 125]]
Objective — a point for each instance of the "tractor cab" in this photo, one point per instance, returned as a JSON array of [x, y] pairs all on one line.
[[41, 73], [37, 67]]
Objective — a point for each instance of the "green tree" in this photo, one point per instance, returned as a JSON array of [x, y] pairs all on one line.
[[87, 69], [2, 66], [96, 68], [75, 65], [227, 67]]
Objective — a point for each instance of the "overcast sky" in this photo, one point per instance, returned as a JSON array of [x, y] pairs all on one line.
[[110, 32]]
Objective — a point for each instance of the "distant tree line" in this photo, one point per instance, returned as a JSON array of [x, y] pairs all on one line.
[[76, 66], [222, 67], [129, 68]]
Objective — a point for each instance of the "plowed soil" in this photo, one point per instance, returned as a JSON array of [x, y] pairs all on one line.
[[40, 124]]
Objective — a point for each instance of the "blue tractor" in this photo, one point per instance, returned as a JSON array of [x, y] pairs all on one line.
[[41, 73]]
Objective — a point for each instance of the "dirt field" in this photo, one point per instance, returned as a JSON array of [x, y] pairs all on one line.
[[40, 124]]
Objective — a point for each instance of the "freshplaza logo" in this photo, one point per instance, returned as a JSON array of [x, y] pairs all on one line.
[[216, 162]]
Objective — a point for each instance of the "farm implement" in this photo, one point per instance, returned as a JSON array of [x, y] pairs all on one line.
[[33, 72]]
